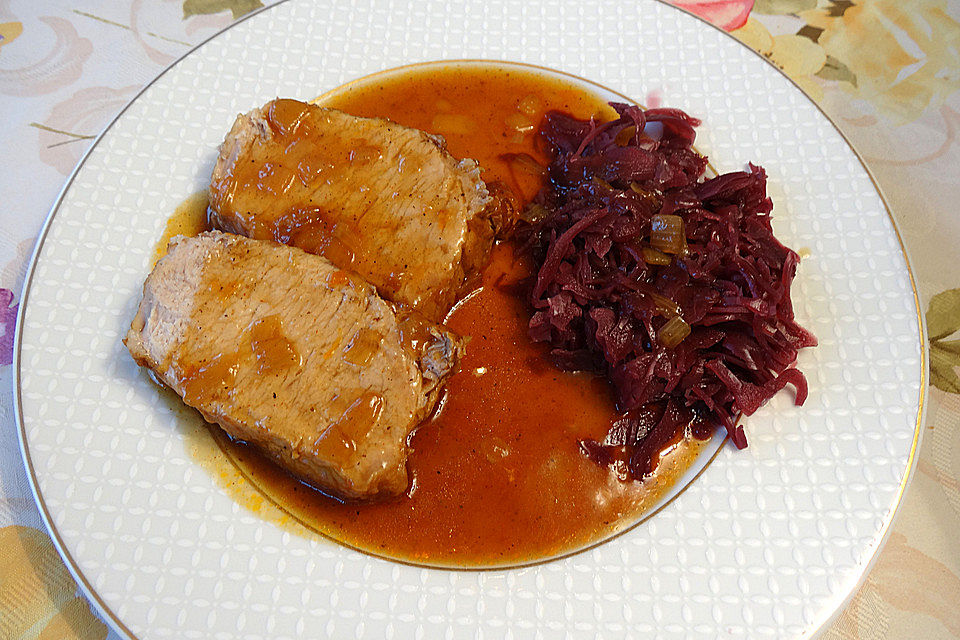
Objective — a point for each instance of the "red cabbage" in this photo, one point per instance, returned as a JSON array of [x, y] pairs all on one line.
[[599, 303]]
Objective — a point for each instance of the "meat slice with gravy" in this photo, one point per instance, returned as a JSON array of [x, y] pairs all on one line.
[[294, 355], [383, 200]]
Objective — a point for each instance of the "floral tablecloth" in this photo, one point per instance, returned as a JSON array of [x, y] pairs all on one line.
[[887, 72]]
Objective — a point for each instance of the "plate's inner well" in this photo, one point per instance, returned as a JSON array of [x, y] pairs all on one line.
[[497, 473]]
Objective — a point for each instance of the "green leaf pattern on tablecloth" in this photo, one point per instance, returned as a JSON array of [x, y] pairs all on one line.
[[833, 69], [783, 7], [943, 320], [203, 7], [943, 314]]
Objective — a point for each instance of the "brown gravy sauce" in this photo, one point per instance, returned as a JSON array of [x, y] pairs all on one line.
[[189, 219], [483, 111], [497, 477]]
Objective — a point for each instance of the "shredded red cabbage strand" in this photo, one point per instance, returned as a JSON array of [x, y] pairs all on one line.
[[603, 293]]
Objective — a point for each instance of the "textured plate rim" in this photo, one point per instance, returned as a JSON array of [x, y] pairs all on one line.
[[120, 627]]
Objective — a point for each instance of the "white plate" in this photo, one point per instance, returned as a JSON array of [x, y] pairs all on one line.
[[767, 542]]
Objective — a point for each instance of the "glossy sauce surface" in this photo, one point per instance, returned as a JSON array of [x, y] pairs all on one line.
[[189, 219], [497, 474], [483, 112], [273, 350]]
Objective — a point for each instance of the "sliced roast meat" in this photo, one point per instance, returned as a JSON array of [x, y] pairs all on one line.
[[380, 199], [289, 352]]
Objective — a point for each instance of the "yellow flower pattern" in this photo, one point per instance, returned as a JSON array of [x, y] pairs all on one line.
[[902, 57], [9, 32], [905, 55], [798, 57], [38, 598]]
